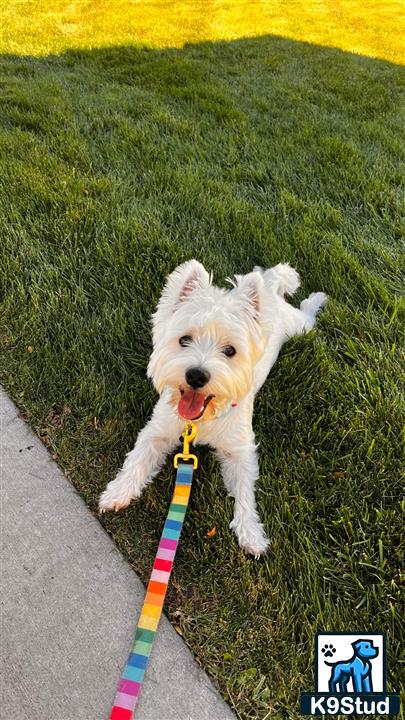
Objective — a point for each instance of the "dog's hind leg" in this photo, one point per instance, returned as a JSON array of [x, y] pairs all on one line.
[[291, 321], [281, 320], [311, 306]]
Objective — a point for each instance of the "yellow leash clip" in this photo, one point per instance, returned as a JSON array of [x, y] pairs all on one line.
[[188, 436]]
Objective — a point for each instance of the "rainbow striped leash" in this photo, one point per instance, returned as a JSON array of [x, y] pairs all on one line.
[[130, 683]]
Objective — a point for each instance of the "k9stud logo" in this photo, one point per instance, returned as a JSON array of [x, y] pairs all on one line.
[[350, 676]]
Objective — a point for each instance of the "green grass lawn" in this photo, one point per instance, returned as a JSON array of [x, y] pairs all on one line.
[[119, 163]]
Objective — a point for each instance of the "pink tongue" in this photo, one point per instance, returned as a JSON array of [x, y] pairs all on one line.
[[191, 404]]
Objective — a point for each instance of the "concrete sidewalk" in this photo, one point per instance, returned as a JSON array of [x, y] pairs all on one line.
[[69, 604]]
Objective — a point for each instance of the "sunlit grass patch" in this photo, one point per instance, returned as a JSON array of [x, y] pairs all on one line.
[[33, 27]]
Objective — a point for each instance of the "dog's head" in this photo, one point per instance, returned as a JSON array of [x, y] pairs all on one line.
[[206, 340], [365, 649]]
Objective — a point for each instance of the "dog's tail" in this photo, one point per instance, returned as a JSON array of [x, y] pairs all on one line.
[[282, 278]]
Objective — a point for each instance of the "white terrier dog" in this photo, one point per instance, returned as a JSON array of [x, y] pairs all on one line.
[[212, 351]]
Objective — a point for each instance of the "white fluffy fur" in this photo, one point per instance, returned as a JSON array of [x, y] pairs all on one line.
[[255, 319]]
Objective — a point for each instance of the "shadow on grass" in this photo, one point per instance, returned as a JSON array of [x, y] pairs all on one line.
[[120, 163]]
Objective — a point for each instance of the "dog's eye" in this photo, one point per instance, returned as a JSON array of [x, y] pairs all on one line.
[[229, 351], [185, 340]]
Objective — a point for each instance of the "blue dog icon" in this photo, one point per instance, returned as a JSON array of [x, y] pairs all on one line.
[[358, 668]]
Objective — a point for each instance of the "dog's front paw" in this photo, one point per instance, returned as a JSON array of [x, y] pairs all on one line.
[[251, 538], [117, 495]]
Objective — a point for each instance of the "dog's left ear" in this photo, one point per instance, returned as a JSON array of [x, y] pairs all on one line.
[[249, 290], [186, 279]]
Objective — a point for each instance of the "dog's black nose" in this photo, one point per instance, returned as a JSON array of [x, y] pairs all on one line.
[[197, 377]]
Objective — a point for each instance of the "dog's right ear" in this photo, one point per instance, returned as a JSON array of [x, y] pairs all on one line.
[[186, 279]]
